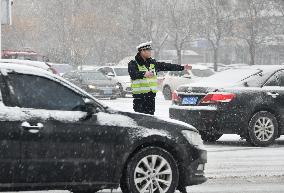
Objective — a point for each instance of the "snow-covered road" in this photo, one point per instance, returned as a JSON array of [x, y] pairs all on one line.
[[233, 165]]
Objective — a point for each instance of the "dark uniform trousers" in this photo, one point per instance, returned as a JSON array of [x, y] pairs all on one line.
[[144, 103]]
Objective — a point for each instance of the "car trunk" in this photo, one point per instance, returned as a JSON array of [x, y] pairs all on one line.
[[191, 96]]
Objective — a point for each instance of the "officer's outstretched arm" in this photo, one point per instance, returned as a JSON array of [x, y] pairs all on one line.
[[163, 66]]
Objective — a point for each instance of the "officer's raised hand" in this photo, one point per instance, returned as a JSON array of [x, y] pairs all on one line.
[[149, 74], [187, 67]]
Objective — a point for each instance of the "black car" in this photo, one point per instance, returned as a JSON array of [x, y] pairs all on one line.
[[54, 135], [247, 101], [95, 83]]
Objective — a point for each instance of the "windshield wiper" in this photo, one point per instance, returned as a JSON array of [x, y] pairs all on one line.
[[254, 74], [257, 73]]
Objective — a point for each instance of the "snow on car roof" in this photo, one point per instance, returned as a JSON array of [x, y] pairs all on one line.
[[200, 67], [234, 76], [266, 68], [22, 67], [38, 64], [21, 114]]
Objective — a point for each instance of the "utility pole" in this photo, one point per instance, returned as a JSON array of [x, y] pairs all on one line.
[[1, 29], [5, 17]]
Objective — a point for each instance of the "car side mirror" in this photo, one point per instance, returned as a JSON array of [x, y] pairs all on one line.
[[90, 107]]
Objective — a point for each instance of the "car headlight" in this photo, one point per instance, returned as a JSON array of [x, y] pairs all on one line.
[[92, 86], [193, 138]]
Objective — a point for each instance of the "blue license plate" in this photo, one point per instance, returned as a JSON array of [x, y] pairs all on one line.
[[189, 100], [108, 91]]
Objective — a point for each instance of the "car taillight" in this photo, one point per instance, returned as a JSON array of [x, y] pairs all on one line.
[[218, 98], [175, 97]]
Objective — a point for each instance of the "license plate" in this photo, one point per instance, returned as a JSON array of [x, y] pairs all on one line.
[[189, 100], [107, 91]]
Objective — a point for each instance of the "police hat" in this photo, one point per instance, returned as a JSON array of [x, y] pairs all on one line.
[[144, 46]]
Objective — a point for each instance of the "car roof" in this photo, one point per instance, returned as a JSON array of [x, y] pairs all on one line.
[[38, 64], [23, 67]]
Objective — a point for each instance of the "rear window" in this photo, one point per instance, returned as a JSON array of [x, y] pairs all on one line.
[[202, 73], [230, 76]]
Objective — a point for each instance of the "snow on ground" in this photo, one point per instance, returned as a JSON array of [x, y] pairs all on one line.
[[233, 165]]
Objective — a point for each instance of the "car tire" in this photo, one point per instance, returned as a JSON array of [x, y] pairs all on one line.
[[122, 93], [209, 137], [167, 92], [139, 173], [263, 129]]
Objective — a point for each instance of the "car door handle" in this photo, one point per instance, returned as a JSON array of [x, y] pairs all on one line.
[[273, 94], [32, 128]]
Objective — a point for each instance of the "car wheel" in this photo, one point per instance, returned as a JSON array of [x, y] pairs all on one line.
[[209, 137], [152, 169], [167, 92], [122, 93], [113, 98], [263, 129]]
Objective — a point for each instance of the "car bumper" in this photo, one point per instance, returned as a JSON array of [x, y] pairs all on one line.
[[211, 119], [104, 94], [192, 170]]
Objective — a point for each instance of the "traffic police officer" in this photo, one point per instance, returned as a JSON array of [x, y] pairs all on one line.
[[143, 72]]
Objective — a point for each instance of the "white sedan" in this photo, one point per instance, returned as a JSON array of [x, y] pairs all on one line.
[[173, 79]]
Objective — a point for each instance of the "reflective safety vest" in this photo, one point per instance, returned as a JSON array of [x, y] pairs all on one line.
[[145, 85]]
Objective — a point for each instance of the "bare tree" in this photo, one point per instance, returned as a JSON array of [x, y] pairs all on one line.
[[153, 25], [215, 24], [252, 24], [181, 17]]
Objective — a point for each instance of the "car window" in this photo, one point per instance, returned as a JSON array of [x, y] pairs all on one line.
[[0, 90], [93, 76], [273, 80], [105, 70], [72, 76], [37, 92], [280, 76], [121, 71]]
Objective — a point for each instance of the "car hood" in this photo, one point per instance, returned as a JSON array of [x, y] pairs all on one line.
[[152, 122]]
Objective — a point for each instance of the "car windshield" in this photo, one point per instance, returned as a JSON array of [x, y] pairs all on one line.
[[202, 72], [62, 68], [121, 71], [230, 76], [91, 76]]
